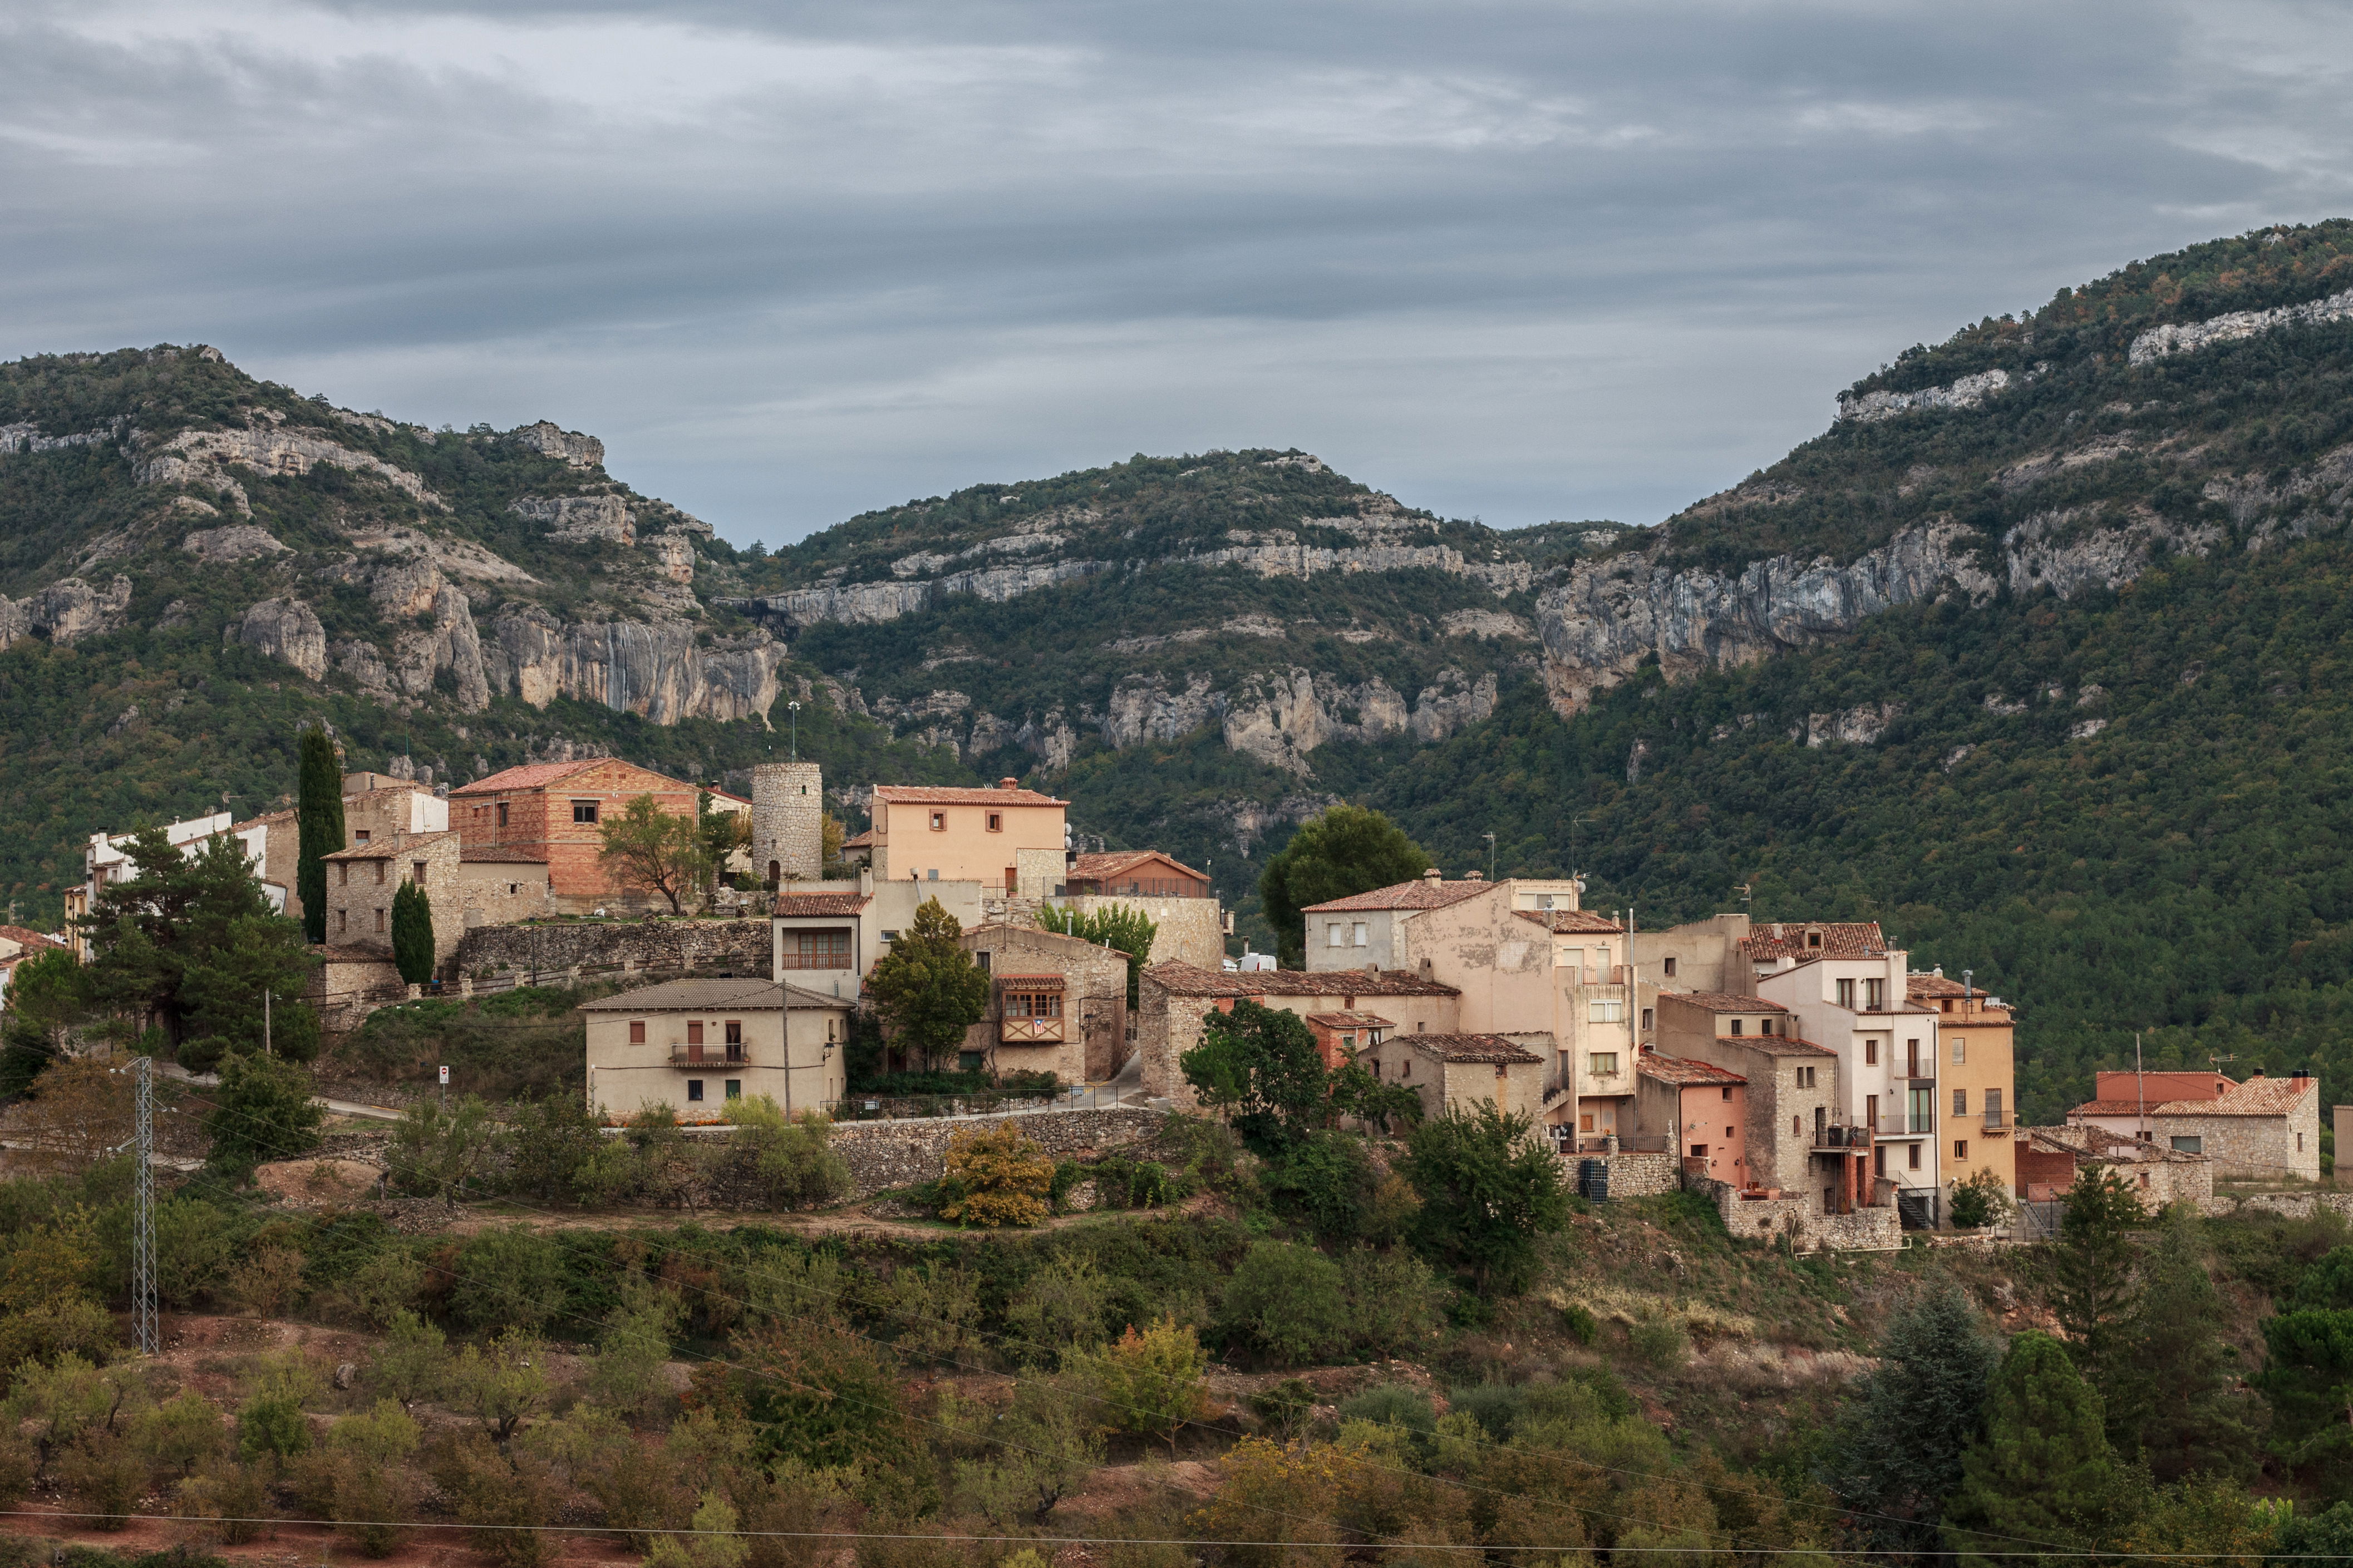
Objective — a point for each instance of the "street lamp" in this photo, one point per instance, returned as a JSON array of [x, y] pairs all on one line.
[[795, 710]]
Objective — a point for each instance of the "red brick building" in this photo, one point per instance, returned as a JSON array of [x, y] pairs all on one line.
[[554, 811]]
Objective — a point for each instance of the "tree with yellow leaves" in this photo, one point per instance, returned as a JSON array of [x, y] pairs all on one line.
[[995, 1178]]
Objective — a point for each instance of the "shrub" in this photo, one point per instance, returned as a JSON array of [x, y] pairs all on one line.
[[1321, 1181], [106, 1475], [272, 1420], [1981, 1201], [1582, 1325], [934, 1311], [995, 1178], [508, 1278], [230, 1497], [1150, 1381], [1394, 1301], [1286, 1408], [1059, 1310], [1662, 1342], [266, 1282], [1287, 1302], [797, 1162], [194, 1245], [413, 1362]]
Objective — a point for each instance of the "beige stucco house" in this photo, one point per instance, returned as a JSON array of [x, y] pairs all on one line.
[[1009, 838], [1459, 1072], [694, 1044]]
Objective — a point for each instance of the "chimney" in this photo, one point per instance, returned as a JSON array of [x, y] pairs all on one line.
[[1433, 875], [865, 880], [1474, 876], [1008, 783]]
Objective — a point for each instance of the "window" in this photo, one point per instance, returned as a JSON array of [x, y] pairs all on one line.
[[1407, 1070], [1728, 1094], [342, 922], [2143, 1178], [1348, 1042], [1960, 1149], [939, 822], [1960, 1102], [1795, 1130], [1670, 967], [2183, 1145], [1730, 1132], [1871, 1053], [1584, 1123], [1805, 1078], [1879, 1160], [1601, 1010], [1993, 1107], [1333, 934], [1960, 1054], [734, 1088], [933, 875], [637, 1031], [1699, 1151], [1922, 1110], [1916, 1156], [503, 813], [2299, 1149], [1735, 1026], [1912, 1060], [997, 822], [584, 811], [1813, 939], [1033, 1005], [1846, 993], [1356, 934], [1650, 1019], [693, 1088], [695, 1031], [1875, 994], [821, 949], [734, 1027], [417, 872], [1871, 1111], [1573, 959], [360, 836], [379, 921], [343, 874], [1373, 1037], [1947, 1004], [1602, 1064], [981, 959]]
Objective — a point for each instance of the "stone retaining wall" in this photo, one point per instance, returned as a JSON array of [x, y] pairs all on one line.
[[1800, 1221], [2294, 1206], [885, 1154], [741, 945], [1633, 1174]]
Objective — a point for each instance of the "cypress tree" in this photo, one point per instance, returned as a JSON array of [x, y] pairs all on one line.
[[411, 933], [1899, 1453], [318, 827], [2041, 1475], [2176, 1403], [2092, 1287]]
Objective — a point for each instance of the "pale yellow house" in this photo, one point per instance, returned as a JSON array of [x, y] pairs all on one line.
[[694, 1044], [1008, 837]]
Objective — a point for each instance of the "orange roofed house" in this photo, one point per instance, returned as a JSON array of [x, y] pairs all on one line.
[[2266, 1127], [554, 811], [1006, 838]]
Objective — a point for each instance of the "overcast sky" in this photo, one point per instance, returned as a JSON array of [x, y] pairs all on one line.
[[1517, 261]]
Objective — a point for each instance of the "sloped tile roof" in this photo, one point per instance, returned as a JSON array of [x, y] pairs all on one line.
[[1421, 893], [1571, 922], [821, 903], [389, 848], [1189, 980], [1100, 867], [1840, 938], [1471, 1049], [500, 854], [1684, 1072], [682, 995], [1351, 1020], [529, 775], [1724, 1002], [926, 794]]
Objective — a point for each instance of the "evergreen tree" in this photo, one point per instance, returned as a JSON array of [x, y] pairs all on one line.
[[262, 1112], [411, 933], [2041, 1475], [45, 996], [1122, 926], [2309, 1378], [927, 987], [2175, 1400], [1348, 849], [1489, 1189], [1899, 1452], [1259, 1065], [2092, 1271], [318, 827]]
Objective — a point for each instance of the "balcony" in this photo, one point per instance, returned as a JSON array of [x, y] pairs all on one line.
[[686, 1055], [1997, 1122], [1902, 1126], [1835, 1137], [1029, 1032], [813, 960]]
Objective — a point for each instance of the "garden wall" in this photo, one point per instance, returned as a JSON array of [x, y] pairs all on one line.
[[885, 1154], [552, 949]]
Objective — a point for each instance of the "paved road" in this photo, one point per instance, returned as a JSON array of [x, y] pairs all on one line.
[[340, 1107]]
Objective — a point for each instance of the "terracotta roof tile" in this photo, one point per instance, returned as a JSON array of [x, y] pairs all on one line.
[[1351, 1019], [1096, 868], [391, 848], [1470, 1048], [1687, 1073], [1189, 979], [1571, 922], [924, 794], [717, 996], [859, 840], [821, 903], [529, 775], [30, 940], [267, 817], [1848, 939], [1421, 893], [1724, 1002]]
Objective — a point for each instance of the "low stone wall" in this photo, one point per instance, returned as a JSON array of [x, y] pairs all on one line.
[[1633, 1174], [885, 1154], [2294, 1206], [741, 945], [1800, 1221]]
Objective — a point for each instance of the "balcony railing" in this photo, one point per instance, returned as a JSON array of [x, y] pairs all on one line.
[[708, 1056], [1029, 1032], [1902, 1126], [1998, 1121], [813, 960], [1835, 1137]]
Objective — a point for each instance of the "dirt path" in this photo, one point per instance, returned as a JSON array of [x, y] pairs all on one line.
[[853, 1219]]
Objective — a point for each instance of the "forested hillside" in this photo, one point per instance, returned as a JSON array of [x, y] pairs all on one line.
[[2034, 654]]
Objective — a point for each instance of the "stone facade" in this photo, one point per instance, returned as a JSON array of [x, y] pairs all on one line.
[[788, 822], [362, 881], [553, 949], [885, 1154], [1175, 999], [1800, 1221], [1188, 930], [1459, 1072], [1633, 1175], [2158, 1173], [1094, 1003]]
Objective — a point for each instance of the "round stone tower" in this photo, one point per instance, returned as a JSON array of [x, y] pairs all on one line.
[[788, 822]]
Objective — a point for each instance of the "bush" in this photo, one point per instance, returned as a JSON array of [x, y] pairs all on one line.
[[508, 1278], [1582, 1325], [1057, 1309], [1149, 1380], [1321, 1181], [1981, 1201], [1392, 1404], [797, 1163], [1394, 1301], [995, 1178], [1662, 1342], [261, 1112], [1288, 1303], [1287, 1408]]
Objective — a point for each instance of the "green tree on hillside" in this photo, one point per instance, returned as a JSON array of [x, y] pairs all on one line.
[[1122, 926], [2309, 1375], [647, 850], [1346, 851], [263, 1111], [2042, 1476], [411, 933], [2177, 1403], [318, 827], [46, 996], [1898, 1454], [1490, 1189], [2092, 1272], [927, 987], [1259, 1065]]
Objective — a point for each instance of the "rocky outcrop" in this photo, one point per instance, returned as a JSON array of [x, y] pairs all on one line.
[[196, 458], [2047, 551], [451, 644], [1279, 716], [871, 604], [566, 445], [1306, 560], [1859, 726], [1485, 624], [238, 541], [23, 437], [66, 612], [657, 669], [2188, 337], [1967, 392], [1611, 615], [580, 519], [287, 630]]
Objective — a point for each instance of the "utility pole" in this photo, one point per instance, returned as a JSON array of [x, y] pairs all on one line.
[[795, 710], [1491, 855], [266, 1049], [143, 1211]]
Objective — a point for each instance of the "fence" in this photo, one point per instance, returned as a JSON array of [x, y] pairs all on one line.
[[2039, 1221]]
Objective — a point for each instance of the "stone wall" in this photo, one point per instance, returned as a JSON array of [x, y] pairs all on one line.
[[787, 820], [885, 1154], [1166, 1028], [740, 946], [2261, 1147], [1800, 1221], [1632, 1175], [1188, 930]]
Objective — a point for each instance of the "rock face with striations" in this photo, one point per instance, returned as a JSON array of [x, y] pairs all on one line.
[[287, 630], [66, 612], [568, 445]]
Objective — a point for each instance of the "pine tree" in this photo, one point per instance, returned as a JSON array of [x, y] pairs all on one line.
[[2175, 1401], [2041, 1475], [2092, 1272], [318, 827], [411, 933], [1899, 1454]]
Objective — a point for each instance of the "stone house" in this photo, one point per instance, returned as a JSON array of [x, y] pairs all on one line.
[[1789, 1090], [1056, 1005], [1528, 963], [1175, 999], [385, 806], [2263, 1129], [1190, 925], [2049, 1158], [556, 810], [694, 1044], [1457, 1072], [1976, 1058], [1006, 839], [1699, 1108], [362, 881], [1340, 1034]]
